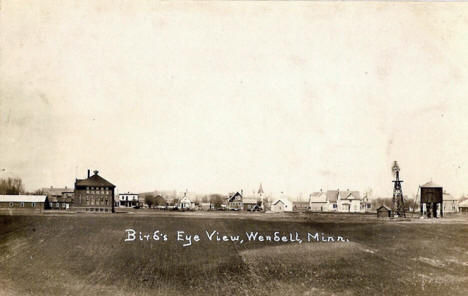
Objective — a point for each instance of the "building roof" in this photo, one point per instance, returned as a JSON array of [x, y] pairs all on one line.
[[463, 204], [250, 200], [235, 196], [283, 200], [383, 207], [332, 195], [431, 184], [349, 195], [94, 180], [319, 196], [448, 196], [56, 191], [22, 198], [300, 203]]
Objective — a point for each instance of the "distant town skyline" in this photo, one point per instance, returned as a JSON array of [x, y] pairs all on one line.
[[218, 97]]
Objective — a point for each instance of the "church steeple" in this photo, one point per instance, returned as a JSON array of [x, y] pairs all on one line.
[[260, 190]]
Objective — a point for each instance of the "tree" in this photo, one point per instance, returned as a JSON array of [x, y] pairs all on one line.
[[159, 200], [11, 186], [150, 200], [216, 200]]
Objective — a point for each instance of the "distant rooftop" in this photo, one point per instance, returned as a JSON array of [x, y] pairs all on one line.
[[431, 184], [22, 198]]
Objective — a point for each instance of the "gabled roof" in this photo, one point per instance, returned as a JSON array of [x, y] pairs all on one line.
[[319, 196], [430, 184], [350, 195], [383, 207], [22, 198], [332, 195], [94, 180], [282, 200], [235, 196]]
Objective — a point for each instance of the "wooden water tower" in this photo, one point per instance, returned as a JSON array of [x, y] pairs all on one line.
[[431, 200]]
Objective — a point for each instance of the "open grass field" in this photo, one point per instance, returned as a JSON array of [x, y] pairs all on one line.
[[80, 254]]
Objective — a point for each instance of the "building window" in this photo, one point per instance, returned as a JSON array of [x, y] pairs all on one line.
[[33, 205], [22, 204], [57, 205], [11, 204]]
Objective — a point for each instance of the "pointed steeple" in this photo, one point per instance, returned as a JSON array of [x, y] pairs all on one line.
[[260, 190]]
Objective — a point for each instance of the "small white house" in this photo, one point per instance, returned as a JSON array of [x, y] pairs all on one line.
[[281, 205], [128, 200], [350, 202], [323, 201], [449, 203]]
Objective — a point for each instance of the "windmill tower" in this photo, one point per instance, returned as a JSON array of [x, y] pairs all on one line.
[[398, 209]]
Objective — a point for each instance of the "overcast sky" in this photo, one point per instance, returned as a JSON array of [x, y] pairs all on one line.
[[217, 97]]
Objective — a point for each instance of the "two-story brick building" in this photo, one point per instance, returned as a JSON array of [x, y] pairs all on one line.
[[93, 194]]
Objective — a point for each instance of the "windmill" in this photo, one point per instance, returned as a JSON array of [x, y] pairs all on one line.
[[398, 209]]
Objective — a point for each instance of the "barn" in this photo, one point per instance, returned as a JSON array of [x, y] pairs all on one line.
[[22, 204]]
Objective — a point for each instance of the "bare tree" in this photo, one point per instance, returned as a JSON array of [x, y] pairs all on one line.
[[216, 200], [11, 186]]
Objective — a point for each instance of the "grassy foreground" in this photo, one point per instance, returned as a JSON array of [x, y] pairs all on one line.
[[87, 255]]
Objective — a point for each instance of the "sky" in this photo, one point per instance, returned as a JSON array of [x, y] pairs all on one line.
[[218, 96]]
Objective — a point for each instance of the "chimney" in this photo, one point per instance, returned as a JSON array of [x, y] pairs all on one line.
[[96, 172], [88, 173]]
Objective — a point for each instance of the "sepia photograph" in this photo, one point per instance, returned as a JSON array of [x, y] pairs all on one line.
[[233, 148]]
